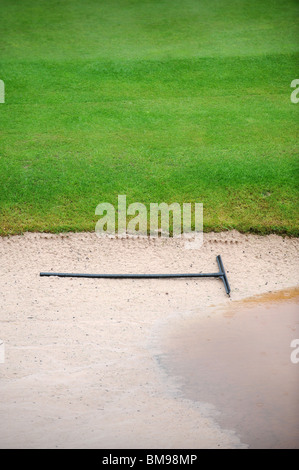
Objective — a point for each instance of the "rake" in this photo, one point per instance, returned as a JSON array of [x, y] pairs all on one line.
[[221, 274]]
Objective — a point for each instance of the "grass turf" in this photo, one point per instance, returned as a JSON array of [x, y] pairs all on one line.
[[164, 101]]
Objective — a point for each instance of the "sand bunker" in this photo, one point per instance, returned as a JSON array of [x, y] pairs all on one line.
[[80, 366]]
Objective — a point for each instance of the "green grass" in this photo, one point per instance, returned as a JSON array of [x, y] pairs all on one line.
[[164, 101]]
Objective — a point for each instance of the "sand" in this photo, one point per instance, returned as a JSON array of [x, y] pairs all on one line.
[[81, 363], [239, 360]]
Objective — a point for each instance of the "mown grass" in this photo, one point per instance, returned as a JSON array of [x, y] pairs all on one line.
[[162, 101]]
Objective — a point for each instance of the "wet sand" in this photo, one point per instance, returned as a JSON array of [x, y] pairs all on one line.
[[239, 361]]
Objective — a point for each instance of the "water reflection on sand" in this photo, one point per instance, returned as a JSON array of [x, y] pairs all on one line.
[[239, 359]]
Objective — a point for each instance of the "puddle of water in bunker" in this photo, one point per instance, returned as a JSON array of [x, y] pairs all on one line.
[[239, 360]]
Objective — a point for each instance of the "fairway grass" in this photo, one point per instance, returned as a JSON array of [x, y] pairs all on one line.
[[160, 101]]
